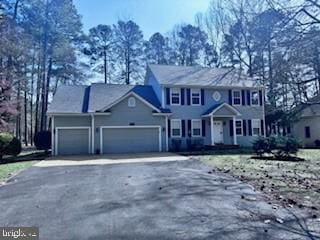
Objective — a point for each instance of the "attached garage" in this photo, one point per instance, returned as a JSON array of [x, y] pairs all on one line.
[[130, 139], [72, 140]]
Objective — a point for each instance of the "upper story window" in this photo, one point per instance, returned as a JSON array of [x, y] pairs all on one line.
[[195, 96], [131, 102], [236, 97], [176, 128], [196, 128], [239, 127], [256, 127], [175, 96], [254, 98]]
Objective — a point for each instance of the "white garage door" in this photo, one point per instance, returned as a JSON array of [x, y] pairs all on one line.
[[72, 141], [130, 139]]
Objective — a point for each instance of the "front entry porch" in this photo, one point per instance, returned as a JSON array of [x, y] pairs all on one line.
[[222, 121]]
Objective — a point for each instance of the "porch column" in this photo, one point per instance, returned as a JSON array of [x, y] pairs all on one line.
[[212, 134], [92, 134], [234, 131]]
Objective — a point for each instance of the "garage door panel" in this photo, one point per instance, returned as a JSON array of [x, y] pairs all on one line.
[[129, 140], [73, 141]]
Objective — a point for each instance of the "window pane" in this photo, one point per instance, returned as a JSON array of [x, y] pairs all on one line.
[[195, 100], [196, 132], [256, 131], [175, 100], [176, 132], [255, 98], [236, 94], [175, 124]]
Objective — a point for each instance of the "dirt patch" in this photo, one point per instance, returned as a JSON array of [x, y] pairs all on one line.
[[288, 183]]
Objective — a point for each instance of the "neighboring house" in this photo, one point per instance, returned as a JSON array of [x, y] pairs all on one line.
[[178, 107], [307, 126]]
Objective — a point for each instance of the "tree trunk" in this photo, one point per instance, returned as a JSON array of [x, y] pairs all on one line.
[[31, 98], [25, 108], [44, 69], [105, 65]]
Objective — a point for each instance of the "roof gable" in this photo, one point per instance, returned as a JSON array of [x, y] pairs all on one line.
[[222, 109]]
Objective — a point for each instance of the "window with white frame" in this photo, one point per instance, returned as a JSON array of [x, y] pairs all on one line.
[[254, 98], [196, 128], [175, 96], [176, 128], [256, 127], [239, 127], [195, 96], [236, 97], [131, 102]]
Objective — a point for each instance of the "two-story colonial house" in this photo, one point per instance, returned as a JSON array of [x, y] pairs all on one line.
[[177, 107]]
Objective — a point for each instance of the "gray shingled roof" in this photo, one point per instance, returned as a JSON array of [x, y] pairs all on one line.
[[82, 99], [102, 95], [68, 99], [201, 76]]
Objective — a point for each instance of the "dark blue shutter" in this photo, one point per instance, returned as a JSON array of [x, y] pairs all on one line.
[[231, 127], [183, 127], [203, 127], [189, 128], [230, 97], [250, 127], [168, 96], [289, 130], [248, 98], [278, 127], [260, 97], [182, 96], [188, 96], [169, 128], [243, 95], [202, 96], [262, 127], [244, 123]]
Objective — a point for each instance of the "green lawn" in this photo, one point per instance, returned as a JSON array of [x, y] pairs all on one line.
[[288, 183], [8, 169]]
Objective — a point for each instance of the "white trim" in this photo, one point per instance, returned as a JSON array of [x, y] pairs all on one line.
[[67, 128], [52, 136], [234, 131], [92, 133], [127, 95], [78, 114], [200, 135], [259, 124], [171, 128], [197, 91], [130, 127], [221, 124], [212, 131], [239, 97], [210, 87], [167, 132], [251, 98], [239, 120], [179, 92]]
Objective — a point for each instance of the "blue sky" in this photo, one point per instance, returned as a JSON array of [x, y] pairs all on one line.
[[151, 15]]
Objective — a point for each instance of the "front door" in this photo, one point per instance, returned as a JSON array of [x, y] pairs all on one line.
[[218, 131]]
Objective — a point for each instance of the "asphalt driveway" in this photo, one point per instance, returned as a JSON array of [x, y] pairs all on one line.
[[144, 200]]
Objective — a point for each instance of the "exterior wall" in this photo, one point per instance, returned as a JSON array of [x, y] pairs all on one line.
[[195, 112], [299, 130], [151, 80], [122, 115]]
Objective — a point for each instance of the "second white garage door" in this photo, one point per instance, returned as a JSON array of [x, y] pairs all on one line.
[[130, 139]]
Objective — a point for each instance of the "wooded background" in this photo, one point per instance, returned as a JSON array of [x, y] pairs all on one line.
[[42, 45]]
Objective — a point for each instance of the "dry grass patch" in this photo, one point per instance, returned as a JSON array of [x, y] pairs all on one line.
[[290, 183]]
